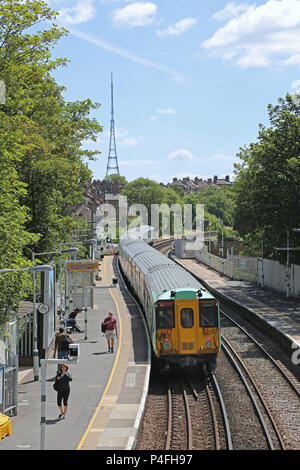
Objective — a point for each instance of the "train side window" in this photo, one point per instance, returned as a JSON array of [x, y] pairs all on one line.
[[208, 314], [187, 317], [165, 317]]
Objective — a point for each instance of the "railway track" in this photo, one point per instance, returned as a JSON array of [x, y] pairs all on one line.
[[163, 245], [191, 414], [256, 398], [208, 406], [273, 392], [179, 428]]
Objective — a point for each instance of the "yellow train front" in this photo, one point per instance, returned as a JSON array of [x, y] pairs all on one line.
[[187, 328], [182, 317]]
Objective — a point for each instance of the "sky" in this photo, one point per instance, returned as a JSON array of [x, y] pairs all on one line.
[[192, 78]]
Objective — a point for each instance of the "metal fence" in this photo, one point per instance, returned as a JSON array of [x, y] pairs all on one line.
[[25, 337], [266, 273], [9, 372], [235, 267]]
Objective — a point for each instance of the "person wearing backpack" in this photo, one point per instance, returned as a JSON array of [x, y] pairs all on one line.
[[62, 387], [110, 325], [62, 341]]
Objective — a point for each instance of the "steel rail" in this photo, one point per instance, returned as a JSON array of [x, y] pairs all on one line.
[[265, 352], [254, 402], [170, 411], [188, 418], [214, 417], [170, 419], [224, 413], [277, 432]]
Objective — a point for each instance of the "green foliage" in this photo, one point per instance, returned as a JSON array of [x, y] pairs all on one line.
[[117, 179], [218, 205], [44, 167], [13, 236], [148, 192], [267, 187]]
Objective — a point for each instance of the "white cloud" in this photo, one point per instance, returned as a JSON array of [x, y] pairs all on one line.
[[167, 111], [131, 141], [178, 28], [177, 77], [260, 35], [137, 162], [135, 14], [221, 156], [231, 11], [181, 155], [81, 12], [152, 118], [296, 85], [119, 132]]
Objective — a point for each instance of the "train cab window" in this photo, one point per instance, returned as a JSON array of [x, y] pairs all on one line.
[[187, 317], [165, 316], [208, 314]]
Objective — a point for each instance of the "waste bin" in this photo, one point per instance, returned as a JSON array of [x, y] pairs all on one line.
[[5, 426]]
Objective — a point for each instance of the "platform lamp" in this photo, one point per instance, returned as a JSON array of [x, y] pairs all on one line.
[[209, 241], [33, 269], [61, 252], [221, 221], [84, 242]]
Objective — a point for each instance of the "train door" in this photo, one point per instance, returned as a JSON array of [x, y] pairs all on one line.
[[186, 311]]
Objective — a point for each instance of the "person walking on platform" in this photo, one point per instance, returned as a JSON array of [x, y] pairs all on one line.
[[62, 386], [111, 331], [61, 345]]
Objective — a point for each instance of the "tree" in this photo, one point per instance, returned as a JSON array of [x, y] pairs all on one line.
[[267, 186], [148, 192], [218, 204], [49, 131], [43, 164], [13, 236], [116, 179], [144, 191]]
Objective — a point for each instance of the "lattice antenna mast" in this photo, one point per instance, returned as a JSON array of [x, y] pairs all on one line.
[[112, 164]]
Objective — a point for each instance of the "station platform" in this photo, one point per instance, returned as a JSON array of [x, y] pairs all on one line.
[[280, 313], [108, 390]]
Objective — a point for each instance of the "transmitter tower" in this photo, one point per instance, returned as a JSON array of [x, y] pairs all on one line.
[[112, 163]]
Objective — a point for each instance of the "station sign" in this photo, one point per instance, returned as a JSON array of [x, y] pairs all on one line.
[[86, 266]]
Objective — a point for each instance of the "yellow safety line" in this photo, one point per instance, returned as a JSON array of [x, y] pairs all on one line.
[[110, 377]]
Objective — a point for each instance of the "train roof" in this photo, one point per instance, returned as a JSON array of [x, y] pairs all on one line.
[[162, 273]]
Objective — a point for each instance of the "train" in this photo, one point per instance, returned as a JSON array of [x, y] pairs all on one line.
[[182, 317]]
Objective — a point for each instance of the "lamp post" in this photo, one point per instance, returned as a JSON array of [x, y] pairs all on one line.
[[287, 249], [33, 269], [209, 240], [221, 221], [61, 252], [35, 352], [92, 241], [262, 265]]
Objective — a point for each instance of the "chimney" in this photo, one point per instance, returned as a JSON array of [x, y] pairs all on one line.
[[227, 178], [215, 179]]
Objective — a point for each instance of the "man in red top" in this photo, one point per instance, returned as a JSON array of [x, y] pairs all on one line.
[[111, 330]]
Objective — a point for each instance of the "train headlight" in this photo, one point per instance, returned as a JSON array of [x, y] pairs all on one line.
[[208, 343], [166, 344]]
